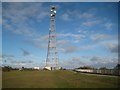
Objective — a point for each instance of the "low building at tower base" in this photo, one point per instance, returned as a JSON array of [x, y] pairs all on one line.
[[52, 68]]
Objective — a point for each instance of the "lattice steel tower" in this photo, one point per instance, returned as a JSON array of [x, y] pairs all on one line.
[[52, 53]]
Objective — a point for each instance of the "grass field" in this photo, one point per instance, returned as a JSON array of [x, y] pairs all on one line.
[[56, 79]]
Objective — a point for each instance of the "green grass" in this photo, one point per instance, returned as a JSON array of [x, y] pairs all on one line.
[[56, 79]]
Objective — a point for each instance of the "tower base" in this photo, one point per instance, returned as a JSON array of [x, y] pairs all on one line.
[[52, 68]]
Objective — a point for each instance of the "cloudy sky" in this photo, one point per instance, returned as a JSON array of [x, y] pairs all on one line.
[[87, 33]]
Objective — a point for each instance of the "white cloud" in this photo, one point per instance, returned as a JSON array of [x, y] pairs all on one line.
[[110, 42], [1, 59], [82, 31], [39, 42], [112, 47], [72, 62], [66, 42], [71, 35], [21, 30], [100, 37], [75, 14], [17, 17], [98, 61], [19, 64], [63, 45], [91, 23], [93, 61], [70, 49], [108, 26], [25, 52], [85, 15], [28, 61], [4, 56], [66, 17], [66, 46], [0, 21], [88, 47]]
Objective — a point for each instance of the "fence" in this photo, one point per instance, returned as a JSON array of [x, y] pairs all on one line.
[[104, 72]]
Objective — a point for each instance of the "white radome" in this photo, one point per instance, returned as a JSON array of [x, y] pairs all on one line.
[[54, 11]]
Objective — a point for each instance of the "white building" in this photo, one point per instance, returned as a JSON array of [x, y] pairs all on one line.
[[84, 70], [37, 68], [48, 68], [53, 68]]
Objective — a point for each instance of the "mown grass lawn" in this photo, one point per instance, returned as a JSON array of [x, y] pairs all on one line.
[[56, 79]]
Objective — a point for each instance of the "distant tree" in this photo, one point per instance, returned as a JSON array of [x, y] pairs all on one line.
[[117, 69], [103, 68], [85, 67], [7, 68], [23, 68], [62, 68]]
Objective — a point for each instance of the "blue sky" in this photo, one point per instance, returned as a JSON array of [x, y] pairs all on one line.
[[87, 33]]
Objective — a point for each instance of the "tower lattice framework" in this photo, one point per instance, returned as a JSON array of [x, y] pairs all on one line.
[[52, 53]]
